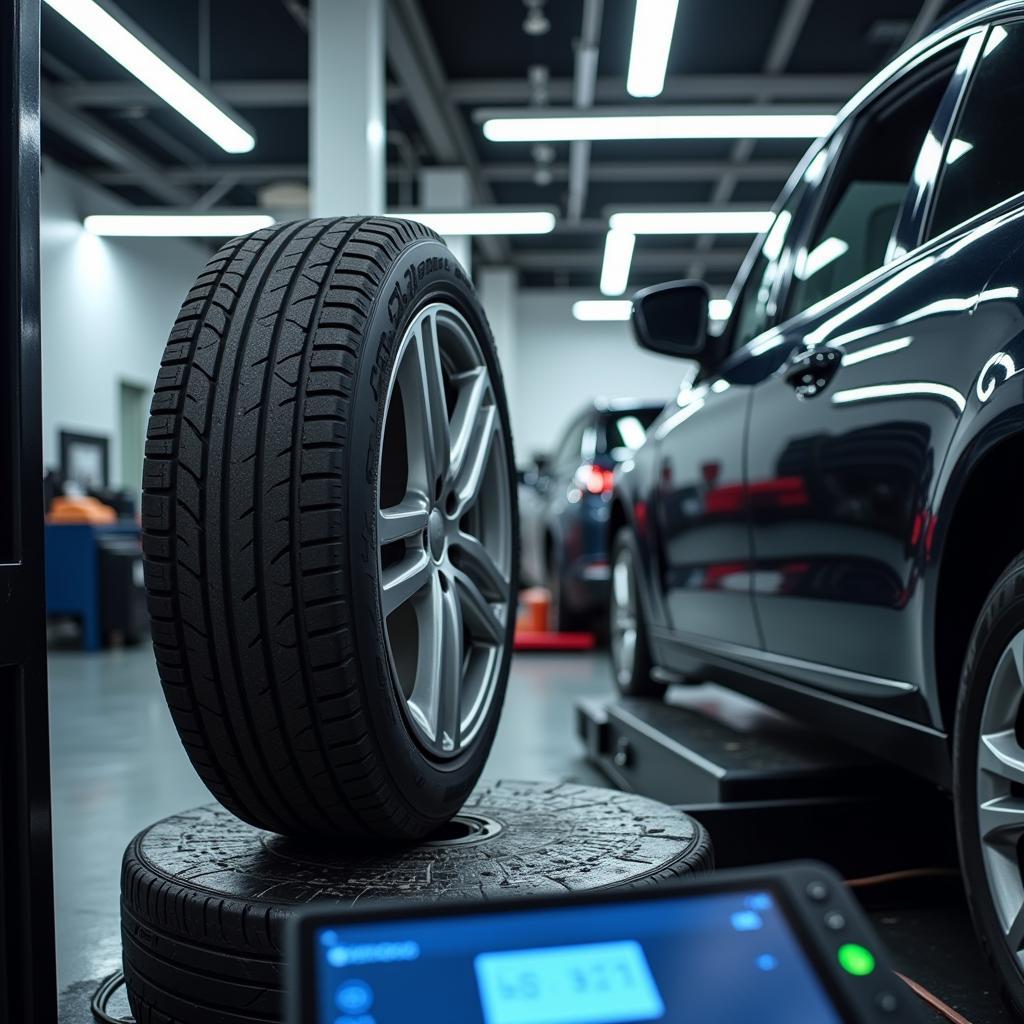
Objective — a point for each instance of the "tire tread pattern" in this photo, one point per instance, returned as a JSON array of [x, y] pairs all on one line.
[[243, 517]]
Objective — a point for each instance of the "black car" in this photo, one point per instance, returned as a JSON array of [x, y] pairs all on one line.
[[564, 506], [832, 520]]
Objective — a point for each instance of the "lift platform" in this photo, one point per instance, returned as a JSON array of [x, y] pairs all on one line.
[[767, 787]]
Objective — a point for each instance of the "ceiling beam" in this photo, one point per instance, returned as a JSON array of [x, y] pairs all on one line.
[[416, 65], [639, 171], [649, 260], [271, 93], [787, 34], [923, 23], [643, 171], [107, 147], [584, 85]]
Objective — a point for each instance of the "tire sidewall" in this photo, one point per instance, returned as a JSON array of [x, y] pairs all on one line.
[[1002, 618], [424, 272], [640, 683]]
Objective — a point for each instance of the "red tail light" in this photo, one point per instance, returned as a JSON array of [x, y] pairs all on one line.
[[595, 479]]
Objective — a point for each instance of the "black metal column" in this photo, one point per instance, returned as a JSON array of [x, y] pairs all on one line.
[[27, 962]]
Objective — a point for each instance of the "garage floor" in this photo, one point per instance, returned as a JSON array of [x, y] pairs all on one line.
[[118, 766]]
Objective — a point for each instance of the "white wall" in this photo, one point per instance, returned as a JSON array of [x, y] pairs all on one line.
[[107, 307], [563, 363]]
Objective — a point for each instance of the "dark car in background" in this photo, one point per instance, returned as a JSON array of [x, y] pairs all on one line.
[[832, 519], [564, 502]]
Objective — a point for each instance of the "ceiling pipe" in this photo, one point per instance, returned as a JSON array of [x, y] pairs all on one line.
[[584, 87]]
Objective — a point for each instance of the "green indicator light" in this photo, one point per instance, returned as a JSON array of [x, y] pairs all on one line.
[[856, 960]]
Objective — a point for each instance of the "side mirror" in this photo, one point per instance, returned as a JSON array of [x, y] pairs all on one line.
[[672, 319]]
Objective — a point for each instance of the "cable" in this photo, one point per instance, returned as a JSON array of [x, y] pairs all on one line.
[[933, 1001], [901, 876], [101, 999]]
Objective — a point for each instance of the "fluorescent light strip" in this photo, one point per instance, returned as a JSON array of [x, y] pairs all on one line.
[[620, 309], [489, 222], [597, 127], [602, 309], [653, 25], [174, 225], [618, 255], [134, 56], [719, 309], [693, 222], [910, 389], [883, 348]]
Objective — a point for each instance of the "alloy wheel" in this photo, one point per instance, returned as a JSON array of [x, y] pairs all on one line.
[[1000, 793], [444, 531]]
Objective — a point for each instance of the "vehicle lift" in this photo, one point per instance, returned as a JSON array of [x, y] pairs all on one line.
[[767, 787]]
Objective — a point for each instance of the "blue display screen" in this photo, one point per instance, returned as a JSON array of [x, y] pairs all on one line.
[[725, 958]]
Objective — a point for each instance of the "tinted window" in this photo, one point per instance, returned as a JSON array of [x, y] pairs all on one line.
[[867, 189], [984, 161], [568, 452], [754, 310], [626, 429]]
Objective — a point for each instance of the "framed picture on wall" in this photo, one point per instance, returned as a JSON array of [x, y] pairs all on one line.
[[85, 459]]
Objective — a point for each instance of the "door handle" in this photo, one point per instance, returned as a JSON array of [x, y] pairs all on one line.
[[808, 371]]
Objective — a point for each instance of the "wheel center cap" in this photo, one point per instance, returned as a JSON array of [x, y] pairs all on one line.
[[436, 534]]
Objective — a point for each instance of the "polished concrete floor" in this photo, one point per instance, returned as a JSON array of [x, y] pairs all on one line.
[[118, 767]]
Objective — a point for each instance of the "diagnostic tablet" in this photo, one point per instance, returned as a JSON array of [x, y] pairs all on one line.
[[778, 945]]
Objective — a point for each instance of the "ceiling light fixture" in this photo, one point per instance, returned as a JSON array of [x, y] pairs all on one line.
[[599, 127], [618, 255], [652, 39], [483, 222], [693, 222], [175, 86], [176, 225], [606, 310]]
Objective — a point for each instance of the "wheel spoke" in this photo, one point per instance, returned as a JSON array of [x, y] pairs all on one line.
[[1001, 820], [480, 566], [406, 579], [452, 669], [484, 622], [407, 519], [436, 436], [425, 700], [1000, 754], [474, 424]]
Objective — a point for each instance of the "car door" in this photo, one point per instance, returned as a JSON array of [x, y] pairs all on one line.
[[857, 403], [700, 513]]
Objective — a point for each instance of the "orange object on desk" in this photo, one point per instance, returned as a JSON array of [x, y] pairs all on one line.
[[80, 510]]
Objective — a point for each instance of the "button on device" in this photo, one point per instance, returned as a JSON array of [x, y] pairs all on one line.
[[856, 959], [887, 1002], [835, 921], [817, 891]]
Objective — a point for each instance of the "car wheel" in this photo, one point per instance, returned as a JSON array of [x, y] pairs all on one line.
[[989, 779], [330, 531], [627, 632]]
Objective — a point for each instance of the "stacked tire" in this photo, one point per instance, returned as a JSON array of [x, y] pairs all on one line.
[[331, 548]]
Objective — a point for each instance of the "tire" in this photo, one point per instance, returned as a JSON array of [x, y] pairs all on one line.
[[206, 899], [627, 632], [989, 704], [303, 533]]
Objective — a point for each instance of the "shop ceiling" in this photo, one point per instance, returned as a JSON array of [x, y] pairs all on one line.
[[448, 61]]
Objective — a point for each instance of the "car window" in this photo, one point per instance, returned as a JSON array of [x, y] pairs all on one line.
[[863, 199], [568, 451], [625, 430], [984, 161], [753, 310]]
